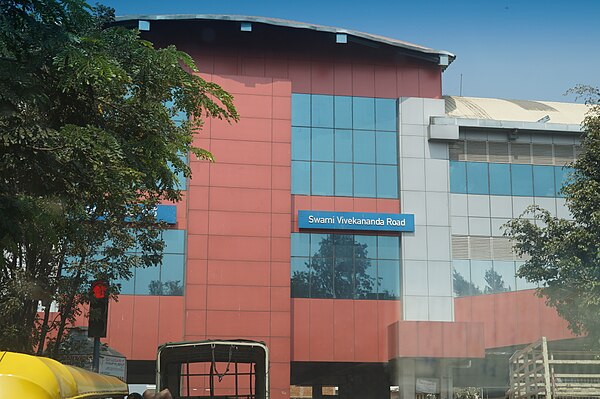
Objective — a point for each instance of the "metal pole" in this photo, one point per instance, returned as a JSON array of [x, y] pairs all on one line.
[[96, 355]]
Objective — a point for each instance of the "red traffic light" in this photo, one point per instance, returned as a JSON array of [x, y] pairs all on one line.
[[100, 289]]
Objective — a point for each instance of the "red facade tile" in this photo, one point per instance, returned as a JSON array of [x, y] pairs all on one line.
[[281, 177], [280, 299], [195, 296], [299, 74], [366, 346], [239, 224], [237, 323], [321, 330], [277, 68], [239, 248], [241, 176], [238, 298], [171, 319], [385, 81], [246, 129], [280, 274], [300, 329], [363, 80], [343, 330], [280, 324], [342, 84], [195, 271], [197, 198], [145, 313], [240, 199], [195, 323], [281, 154], [197, 247], [241, 152], [282, 107], [322, 78], [235, 273]]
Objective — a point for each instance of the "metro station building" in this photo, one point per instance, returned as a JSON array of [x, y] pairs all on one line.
[[348, 128]]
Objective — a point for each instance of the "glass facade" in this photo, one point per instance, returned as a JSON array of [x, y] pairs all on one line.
[[165, 279], [507, 179], [479, 277], [344, 146], [345, 266]]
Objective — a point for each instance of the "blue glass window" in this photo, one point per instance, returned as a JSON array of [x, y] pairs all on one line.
[[301, 144], [343, 179], [322, 144], [174, 241], [458, 177], [543, 181], [300, 177], [171, 276], [322, 178], [322, 111], [363, 113], [388, 247], [364, 180], [387, 181], [461, 278], [300, 275], [345, 266], [480, 271], [388, 279], [364, 146], [522, 180], [500, 179], [385, 114], [127, 286], [343, 112], [503, 276], [317, 148], [300, 109], [147, 281], [477, 178], [343, 146], [561, 174], [300, 244], [386, 148]]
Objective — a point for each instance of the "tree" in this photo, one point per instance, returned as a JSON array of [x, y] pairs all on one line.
[[494, 282], [88, 148], [462, 287], [565, 255]]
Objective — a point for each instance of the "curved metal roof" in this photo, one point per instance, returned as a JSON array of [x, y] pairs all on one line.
[[291, 24], [515, 110]]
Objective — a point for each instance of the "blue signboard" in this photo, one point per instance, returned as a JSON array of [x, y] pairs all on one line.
[[356, 221], [166, 213]]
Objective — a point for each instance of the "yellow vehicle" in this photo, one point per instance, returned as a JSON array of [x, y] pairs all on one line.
[[31, 377]]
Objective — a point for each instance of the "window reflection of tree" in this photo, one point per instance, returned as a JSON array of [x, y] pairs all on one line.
[[339, 269], [167, 288]]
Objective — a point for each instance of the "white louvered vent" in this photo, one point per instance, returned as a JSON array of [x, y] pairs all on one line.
[[477, 151], [480, 247], [457, 151], [520, 152], [502, 249], [460, 247], [498, 152], [542, 154], [563, 154]]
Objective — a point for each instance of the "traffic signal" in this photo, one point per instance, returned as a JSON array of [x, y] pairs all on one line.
[[98, 309]]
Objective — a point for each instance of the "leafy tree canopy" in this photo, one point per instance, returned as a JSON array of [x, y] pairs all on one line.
[[565, 255], [88, 147]]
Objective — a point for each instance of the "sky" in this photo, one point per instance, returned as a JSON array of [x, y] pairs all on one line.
[[512, 49]]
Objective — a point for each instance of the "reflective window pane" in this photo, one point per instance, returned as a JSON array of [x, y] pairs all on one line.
[[364, 146], [343, 278], [300, 177], [461, 279], [387, 181], [171, 276], [300, 109], [343, 112], [343, 145], [543, 181], [300, 244], [343, 245], [385, 114], [364, 180], [127, 286], [322, 110], [458, 177], [322, 178], [561, 174], [500, 179], [174, 241], [363, 113], [300, 144], [365, 278], [388, 247], [523, 284], [477, 178], [322, 144], [321, 279], [366, 246], [319, 244], [504, 275], [386, 148], [300, 278], [388, 276], [479, 276], [522, 180], [343, 179], [147, 281]]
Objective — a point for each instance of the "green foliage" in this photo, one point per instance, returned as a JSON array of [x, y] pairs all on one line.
[[565, 256], [88, 148]]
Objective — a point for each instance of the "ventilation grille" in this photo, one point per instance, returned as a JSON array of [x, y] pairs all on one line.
[[508, 152], [483, 248]]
